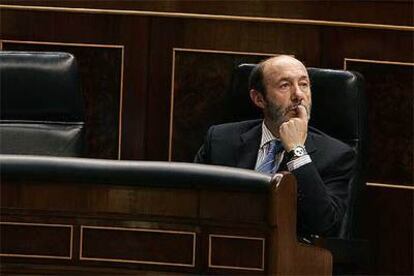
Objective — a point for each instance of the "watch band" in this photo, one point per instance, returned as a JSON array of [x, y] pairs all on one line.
[[296, 152]]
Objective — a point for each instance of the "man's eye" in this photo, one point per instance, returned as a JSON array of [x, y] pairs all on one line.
[[284, 85], [304, 84]]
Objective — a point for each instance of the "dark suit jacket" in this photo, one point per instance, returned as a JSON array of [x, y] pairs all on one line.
[[322, 184]]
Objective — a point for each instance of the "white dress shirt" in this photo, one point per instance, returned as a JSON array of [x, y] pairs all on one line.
[[267, 137]]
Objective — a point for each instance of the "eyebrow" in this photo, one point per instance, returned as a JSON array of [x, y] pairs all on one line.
[[288, 79]]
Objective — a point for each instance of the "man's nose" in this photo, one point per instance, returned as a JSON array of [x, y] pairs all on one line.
[[297, 92]]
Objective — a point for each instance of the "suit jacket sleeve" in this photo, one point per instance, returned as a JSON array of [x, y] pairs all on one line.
[[203, 154], [322, 194]]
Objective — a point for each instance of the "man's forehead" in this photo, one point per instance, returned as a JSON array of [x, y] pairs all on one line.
[[284, 67]]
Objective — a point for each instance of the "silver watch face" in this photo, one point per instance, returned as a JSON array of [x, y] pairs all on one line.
[[299, 151]]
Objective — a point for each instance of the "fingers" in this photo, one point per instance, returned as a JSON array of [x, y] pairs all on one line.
[[302, 113], [285, 135], [293, 132]]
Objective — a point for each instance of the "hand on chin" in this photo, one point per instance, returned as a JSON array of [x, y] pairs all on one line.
[[293, 132]]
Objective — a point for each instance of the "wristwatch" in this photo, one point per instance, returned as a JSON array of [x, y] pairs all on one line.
[[297, 152]]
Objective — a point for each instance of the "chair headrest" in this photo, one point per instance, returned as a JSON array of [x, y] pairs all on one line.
[[338, 100], [38, 86]]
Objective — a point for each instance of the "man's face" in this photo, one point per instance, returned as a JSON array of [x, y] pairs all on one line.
[[287, 85]]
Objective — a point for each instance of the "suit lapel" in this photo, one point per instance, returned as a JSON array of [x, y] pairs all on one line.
[[309, 144], [247, 152]]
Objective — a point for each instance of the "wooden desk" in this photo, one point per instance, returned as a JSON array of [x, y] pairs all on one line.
[[129, 225]]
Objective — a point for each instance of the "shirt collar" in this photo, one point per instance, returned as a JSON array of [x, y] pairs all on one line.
[[267, 135]]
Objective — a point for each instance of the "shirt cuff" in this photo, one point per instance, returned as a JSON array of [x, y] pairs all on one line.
[[298, 162]]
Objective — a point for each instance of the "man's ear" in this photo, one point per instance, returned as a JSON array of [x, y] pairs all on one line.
[[257, 98]]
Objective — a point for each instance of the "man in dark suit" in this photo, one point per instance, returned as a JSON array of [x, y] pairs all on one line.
[[322, 165]]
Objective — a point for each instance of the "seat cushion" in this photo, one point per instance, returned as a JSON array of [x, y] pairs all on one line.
[[41, 139]]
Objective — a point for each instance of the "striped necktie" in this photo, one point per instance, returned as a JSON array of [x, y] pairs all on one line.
[[268, 165]]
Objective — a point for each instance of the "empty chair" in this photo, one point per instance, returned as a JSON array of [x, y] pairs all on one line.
[[41, 104]]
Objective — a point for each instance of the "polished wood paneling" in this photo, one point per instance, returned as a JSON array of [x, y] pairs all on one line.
[[35, 240], [387, 223], [133, 32], [200, 97], [99, 199], [138, 245], [379, 12], [227, 206], [237, 252], [165, 34], [390, 120], [341, 43]]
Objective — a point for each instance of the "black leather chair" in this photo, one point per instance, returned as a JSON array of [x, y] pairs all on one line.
[[338, 109], [41, 104]]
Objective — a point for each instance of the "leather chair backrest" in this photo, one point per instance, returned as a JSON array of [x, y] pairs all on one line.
[[131, 173], [41, 104], [338, 109]]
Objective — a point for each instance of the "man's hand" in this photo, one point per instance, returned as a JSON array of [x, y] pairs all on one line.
[[293, 132]]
